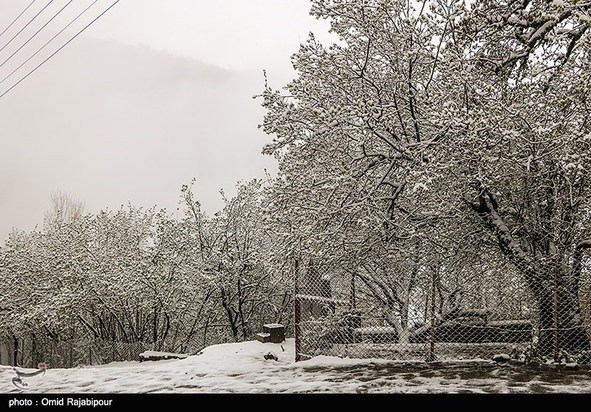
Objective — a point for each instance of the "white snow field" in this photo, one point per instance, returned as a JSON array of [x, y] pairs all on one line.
[[241, 368]]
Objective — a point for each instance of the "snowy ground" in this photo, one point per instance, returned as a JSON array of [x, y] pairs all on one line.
[[241, 368]]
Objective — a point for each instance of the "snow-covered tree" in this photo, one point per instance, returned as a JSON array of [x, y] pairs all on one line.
[[434, 114], [232, 249], [351, 136], [63, 209], [520, 147]]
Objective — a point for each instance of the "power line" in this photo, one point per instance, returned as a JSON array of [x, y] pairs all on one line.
[[17, 17], [58, 50], [36, 33], [46, 44], [26, 25]]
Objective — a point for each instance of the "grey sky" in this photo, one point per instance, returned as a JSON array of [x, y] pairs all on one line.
[[154, 94]]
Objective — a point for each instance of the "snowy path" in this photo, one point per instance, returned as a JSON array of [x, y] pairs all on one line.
[[241, 368]]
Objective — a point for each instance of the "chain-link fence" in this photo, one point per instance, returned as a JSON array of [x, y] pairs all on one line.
[[431, 313], [29, 351], [426, 312]]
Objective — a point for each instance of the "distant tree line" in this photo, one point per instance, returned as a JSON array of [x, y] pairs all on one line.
[[135, 275]]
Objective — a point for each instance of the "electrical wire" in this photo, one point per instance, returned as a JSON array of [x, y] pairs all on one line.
[[17, 17], [45, 45], [27, 25], [36, 33], [49, 41]]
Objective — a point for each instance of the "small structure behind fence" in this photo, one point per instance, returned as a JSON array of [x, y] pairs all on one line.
[[427, 315]]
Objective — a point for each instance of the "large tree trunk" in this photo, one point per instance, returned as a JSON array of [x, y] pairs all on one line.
[[556, 291], [560, 323]]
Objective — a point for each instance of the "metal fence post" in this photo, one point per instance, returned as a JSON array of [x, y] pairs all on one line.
[[431, 356], [296, 313], [15, 350], [555, 315]]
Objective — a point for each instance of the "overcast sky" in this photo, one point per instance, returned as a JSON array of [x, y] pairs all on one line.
[[153, 94]]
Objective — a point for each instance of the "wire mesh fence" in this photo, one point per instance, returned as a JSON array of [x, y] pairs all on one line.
[[29, 351], [438, 314], [426, 312]]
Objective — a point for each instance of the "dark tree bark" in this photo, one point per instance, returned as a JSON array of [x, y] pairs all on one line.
[[561, 323], [555, 290], [231, 313]]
